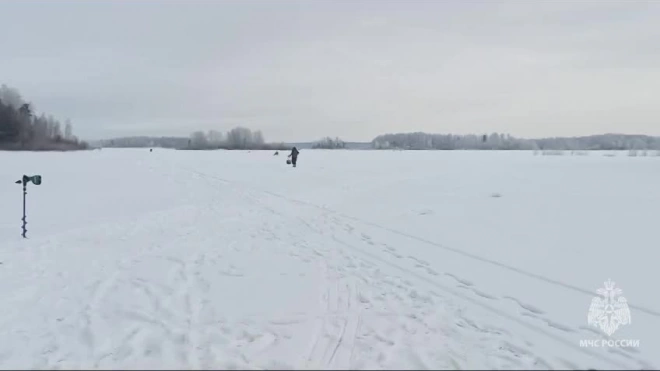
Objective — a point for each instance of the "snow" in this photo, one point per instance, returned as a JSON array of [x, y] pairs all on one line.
[[354, 259]]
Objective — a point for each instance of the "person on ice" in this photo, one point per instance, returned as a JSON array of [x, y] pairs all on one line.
[[294, 156]]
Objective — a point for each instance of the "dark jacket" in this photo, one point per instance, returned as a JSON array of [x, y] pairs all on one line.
[[294, 152]]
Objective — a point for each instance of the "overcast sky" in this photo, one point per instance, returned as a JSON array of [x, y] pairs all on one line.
[[301, 70]]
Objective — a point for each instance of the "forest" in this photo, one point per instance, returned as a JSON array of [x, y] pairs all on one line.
[[22, 129]]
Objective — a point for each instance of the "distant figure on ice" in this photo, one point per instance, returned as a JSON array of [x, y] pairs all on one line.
[[294, 156], [277, 153]]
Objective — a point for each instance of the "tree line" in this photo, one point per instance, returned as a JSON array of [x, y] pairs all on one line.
[[142, 142], [22, 129], [496, 141], [329, 143], [238, 138]]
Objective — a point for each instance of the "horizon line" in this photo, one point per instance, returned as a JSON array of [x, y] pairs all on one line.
[[393, 133]]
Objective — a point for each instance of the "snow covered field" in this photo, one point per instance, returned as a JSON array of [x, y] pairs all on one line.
[[355, 259]]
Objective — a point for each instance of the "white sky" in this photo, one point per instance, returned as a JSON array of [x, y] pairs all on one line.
[[301, 70]]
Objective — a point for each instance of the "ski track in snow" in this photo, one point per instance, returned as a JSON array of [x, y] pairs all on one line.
[[196, 296]]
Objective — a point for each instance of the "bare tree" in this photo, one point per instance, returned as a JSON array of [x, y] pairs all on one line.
[[239, 138], [11, 97], [215, 137], [258, 138], [68, 130], [198, 140], [329, 143]]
